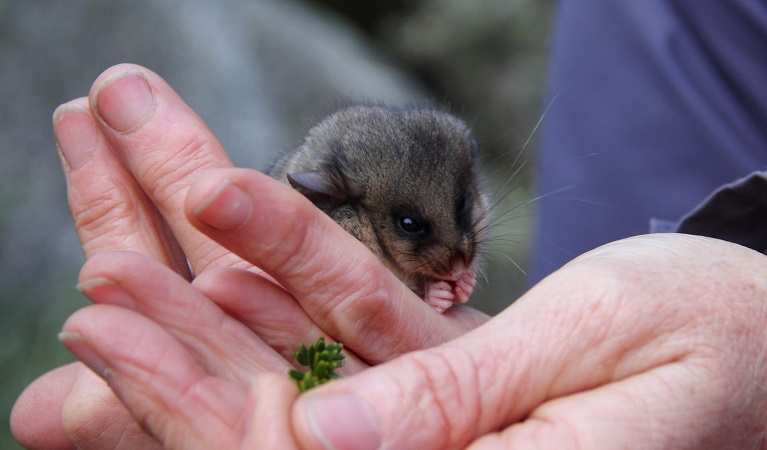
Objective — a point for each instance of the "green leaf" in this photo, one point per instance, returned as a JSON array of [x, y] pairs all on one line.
[[321, 359]]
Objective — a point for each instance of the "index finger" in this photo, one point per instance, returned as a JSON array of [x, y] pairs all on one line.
[[164, 145], [335, 278], [618, 337]]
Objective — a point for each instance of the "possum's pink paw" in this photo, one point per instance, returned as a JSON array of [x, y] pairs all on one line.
[[439, 295], [465, 280], [457, 287]]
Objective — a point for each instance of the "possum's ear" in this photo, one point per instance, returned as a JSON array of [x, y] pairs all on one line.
[[326, 189]]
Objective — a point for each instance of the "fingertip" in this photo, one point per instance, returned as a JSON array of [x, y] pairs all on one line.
[[79, 346], [115, 71], [36, 417], [75, 132], [202, 192], [106, 291], [226, 207], [123, 100], [337, 421], [76, 103], [105, 262], [267, 415], [225, 200]]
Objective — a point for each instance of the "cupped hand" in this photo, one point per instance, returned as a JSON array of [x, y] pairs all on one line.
[[652, 342], [130, 152]]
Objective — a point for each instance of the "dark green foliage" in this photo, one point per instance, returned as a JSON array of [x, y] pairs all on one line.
[[321, 359]]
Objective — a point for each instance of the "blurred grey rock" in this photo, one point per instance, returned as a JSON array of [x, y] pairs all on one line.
[[259, 73]]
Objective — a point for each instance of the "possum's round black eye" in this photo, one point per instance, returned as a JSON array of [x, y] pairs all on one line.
[[410, 225], [462, 205]]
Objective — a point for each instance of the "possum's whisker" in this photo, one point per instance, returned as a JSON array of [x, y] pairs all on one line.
[[494, 200], [535, 128], [517, 266], [527, 202], [482, 272]]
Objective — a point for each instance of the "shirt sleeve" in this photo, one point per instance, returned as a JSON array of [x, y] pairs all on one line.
[[736, 212]]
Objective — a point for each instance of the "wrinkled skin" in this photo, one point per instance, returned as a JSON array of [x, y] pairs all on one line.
[[652, 342], [129, 161]]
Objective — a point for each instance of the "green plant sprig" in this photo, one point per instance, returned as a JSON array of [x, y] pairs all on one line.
[[321, 359]]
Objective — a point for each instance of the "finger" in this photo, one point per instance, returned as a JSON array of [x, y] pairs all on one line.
[[268, 310], [95, 419], [109, 208], [164, 144], [223, 345], [36, 415], [69, 408], [334, 277], [155, 376], [267, 421], [563, 337]]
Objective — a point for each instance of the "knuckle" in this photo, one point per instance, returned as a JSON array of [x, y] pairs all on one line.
[[166, 178], [287, 238], [103, 213], [448, 393]]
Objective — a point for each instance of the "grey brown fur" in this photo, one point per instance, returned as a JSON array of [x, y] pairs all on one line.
[[375, 170]]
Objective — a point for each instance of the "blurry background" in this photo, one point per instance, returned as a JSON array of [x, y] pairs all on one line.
[[260, 72]]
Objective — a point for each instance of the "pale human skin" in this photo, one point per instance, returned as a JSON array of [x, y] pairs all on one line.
[[125, 174], [652, 342]]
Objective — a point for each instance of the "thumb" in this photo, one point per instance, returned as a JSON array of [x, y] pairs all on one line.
[[444, 397], [438, 398], [583, 327]]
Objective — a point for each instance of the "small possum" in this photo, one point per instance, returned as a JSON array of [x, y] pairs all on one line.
[[404, 183]]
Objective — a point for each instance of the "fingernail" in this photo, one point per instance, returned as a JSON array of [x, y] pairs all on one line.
[[125, 101], [79, 347], [76, 134], [343, 422], [104, 290], [227, 208]]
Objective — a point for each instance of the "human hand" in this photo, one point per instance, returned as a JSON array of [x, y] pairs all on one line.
[[652, 342], [129, 159]]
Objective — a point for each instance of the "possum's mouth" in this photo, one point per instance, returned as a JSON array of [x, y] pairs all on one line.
[[422, 282], [419, 281], [428, 280]]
